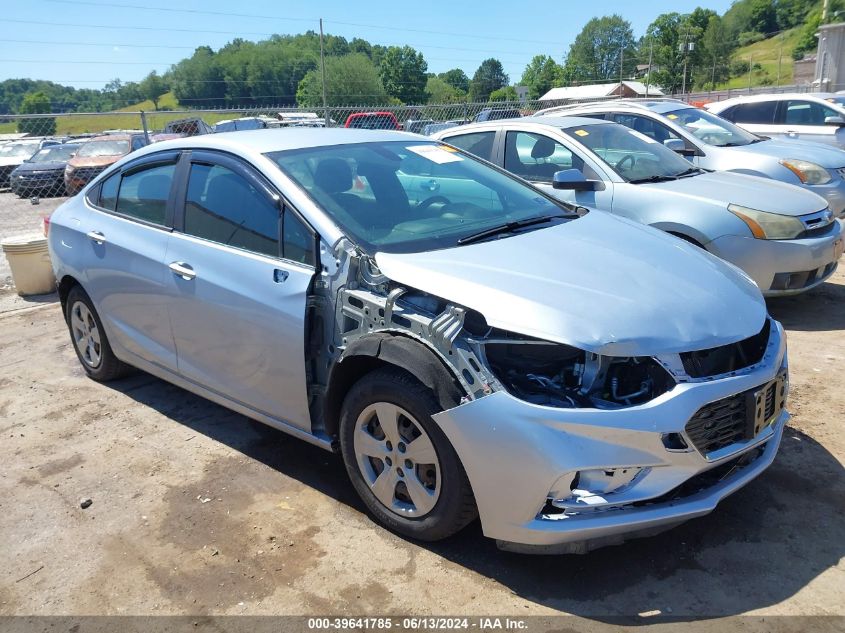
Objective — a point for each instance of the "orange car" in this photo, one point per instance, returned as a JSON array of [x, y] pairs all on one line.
[[100, 152]]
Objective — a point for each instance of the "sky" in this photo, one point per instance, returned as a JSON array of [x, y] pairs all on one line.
[[86, 43]]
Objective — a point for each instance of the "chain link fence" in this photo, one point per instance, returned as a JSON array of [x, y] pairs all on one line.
[[55, 155]]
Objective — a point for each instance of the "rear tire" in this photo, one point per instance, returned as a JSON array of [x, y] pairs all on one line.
[[89, 339], [400, 462]]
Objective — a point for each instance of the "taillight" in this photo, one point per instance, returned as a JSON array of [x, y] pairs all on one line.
[[45, 225]]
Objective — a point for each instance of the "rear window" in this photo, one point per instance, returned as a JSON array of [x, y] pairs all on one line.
[[372, 122]]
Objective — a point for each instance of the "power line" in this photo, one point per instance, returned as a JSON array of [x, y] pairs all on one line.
[[120, 44], [192, 11], [314, 20]]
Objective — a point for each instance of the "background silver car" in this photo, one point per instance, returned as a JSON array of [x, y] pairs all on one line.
[[818, 117], [783, 236], [714, 143], [450, 339]]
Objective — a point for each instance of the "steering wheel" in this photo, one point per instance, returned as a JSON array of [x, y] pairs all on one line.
[[628, 157], [425, 204]]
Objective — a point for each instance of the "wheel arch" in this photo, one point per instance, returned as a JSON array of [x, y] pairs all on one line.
[[387, 349], [66, 284]]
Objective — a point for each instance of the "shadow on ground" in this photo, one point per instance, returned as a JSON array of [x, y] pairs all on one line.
[[818, 310], [760, 547]]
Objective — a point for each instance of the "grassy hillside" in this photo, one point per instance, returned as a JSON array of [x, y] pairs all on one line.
[[120, 119], [766, 53]]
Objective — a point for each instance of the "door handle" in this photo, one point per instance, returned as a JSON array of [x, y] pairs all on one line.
[[96, 236], [183, 270]]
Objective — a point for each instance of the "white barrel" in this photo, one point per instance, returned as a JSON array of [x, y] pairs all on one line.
[[29, 260]]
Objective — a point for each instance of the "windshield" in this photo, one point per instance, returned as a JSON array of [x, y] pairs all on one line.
[[104, 148], [632, 155], [403, 197], [711, 129], [18, 150], [54, 153]]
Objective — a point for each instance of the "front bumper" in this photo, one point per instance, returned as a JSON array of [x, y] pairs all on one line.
[[833, 192], [515, 453], [783, 267]]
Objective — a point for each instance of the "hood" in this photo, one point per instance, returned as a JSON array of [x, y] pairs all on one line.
[[723, 188], [45, 166], [600, 283], [94, 161], [827, 156]]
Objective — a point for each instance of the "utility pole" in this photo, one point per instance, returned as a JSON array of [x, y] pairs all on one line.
[[650, 56], [326, 118], [780, 56], [824, 11], [621, 63], [750, 66]]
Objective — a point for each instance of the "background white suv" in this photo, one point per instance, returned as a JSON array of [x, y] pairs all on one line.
[[816, 117]]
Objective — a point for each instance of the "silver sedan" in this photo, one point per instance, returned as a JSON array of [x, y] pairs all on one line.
[[468, 344]]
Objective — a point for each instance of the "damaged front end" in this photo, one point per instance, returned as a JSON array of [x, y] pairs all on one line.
[[564, 447]]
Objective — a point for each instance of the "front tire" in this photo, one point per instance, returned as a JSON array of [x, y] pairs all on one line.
[[399, 461], [89, 339]]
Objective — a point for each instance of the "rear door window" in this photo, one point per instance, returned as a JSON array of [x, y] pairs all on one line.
[[759, 112], [143, 194]]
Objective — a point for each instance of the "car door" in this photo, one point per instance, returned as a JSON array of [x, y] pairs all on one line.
[[805, 120], [536, 157], [128, 230], [240, 265]]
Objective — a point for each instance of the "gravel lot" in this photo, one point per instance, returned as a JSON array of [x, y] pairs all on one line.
[[18, 216], [197, 510]]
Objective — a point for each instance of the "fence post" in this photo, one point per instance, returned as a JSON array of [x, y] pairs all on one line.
[[144, 126]]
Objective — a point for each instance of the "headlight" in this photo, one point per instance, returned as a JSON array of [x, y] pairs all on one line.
[[562, 376], [807, 172], [768, 226]]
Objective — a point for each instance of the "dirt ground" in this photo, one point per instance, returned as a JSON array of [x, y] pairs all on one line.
[[197, 510]]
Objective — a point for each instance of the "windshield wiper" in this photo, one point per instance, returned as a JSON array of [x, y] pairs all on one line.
[[692, 171], [638, 181], [510, 227]]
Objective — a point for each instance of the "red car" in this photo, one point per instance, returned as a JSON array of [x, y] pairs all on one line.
[[373, 121]]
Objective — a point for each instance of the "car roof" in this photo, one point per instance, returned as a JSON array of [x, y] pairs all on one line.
[[659, 106], [548, 121], [280, 139]]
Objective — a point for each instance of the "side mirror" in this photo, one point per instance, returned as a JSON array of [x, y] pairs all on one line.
[[573, 180], [675, 144], [834, 120]]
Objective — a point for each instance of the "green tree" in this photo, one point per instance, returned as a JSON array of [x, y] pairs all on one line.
[[152, 87], [541, 75], [715, 53], [507, 93], [456, 78], [441, 92], [403, 74], [198, 80], [37, 103], [596, 53], [350, 80], [676, 39], [490, 76]]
